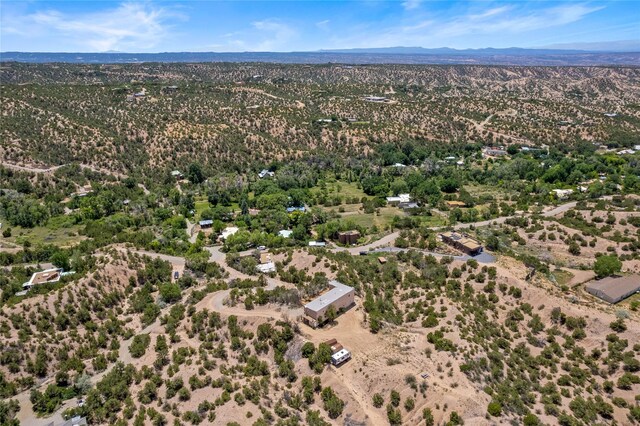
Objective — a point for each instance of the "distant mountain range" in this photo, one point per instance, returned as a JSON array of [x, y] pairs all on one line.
[[388, 55], [488, 51]]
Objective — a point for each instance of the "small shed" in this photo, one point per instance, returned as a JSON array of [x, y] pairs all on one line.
[[205, 223]]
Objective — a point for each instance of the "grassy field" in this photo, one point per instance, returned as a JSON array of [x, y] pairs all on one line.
[[345, 189], [352, 212], [368, 220], [201, 205], [58, 231], [479, 190], [562, 277], [434, 221]]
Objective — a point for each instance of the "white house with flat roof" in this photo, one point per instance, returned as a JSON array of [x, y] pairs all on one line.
[[562, 193], [43, 277], [267, 267], [285, 233], [229, 231], [401, 198]]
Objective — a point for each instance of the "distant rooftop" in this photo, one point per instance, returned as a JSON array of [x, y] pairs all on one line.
[[286, 233]]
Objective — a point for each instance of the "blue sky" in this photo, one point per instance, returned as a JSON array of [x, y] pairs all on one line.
[[232, 26]]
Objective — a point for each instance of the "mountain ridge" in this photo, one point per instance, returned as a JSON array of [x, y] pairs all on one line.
[[444, 56]]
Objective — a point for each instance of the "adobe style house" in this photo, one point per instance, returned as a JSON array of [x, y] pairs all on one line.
[[340, 297], [462, 242], [348, 237]]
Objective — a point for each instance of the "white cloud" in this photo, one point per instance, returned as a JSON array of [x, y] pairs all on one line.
[[475, 23], [323, 25], [498, 20], [128, 27], [411, 4], [278, 35]]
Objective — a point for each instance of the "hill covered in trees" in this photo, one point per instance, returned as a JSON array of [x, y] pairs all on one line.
[[145, 118]]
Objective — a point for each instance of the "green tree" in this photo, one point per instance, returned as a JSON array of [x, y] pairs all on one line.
[[395, 398], [574, 248], [60, 259], [378, 400], [394, 415], [618, 325], [330, 314], [139, 345], [308, 349], [195, 174], [495, 409], [170, 293], [531, 420], [427, 415], [606, 266]]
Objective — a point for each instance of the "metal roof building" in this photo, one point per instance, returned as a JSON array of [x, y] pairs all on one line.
[[614, 289]]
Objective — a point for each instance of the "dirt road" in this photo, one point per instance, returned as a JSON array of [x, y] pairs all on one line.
[[178, 263], [30, 265], [30, 169], [33, 169]]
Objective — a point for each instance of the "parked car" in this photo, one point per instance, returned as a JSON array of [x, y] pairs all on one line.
[[262, 247], [176, 275]]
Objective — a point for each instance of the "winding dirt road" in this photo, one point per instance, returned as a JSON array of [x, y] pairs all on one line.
[[48, 170]]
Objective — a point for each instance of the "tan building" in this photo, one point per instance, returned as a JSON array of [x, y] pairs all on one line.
[[462, 242], [349, 237], [455, 203], [340, 297]]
